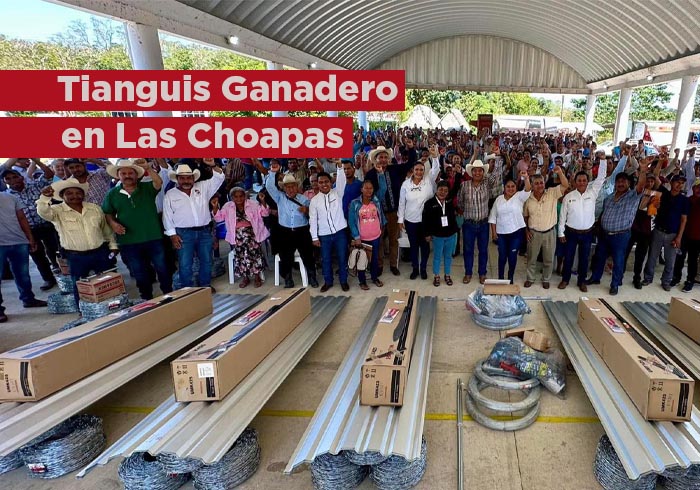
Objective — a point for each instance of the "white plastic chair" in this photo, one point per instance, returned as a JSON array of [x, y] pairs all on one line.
[[302, 269]]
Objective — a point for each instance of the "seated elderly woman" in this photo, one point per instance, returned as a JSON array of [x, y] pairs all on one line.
[[245, 231]]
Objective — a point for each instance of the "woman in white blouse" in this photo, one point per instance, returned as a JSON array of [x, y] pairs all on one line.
[[508, 224], [415, 191]]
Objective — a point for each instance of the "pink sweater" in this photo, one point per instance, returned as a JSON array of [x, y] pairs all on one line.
[[253, 211]]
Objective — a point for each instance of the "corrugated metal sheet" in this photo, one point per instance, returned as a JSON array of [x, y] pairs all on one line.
[[206, 430], [341, 423], [22, 422], [643, 447], [653, 316]]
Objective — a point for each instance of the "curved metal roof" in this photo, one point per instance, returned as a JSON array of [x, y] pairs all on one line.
[[598, 39]]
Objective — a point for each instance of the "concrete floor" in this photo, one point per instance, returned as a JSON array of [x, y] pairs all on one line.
[[556, 452]]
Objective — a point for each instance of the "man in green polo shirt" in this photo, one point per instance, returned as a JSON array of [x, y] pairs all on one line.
[[130, 209]]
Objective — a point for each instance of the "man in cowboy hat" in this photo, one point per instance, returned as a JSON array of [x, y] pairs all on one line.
[[387, 179], [293, 210], [186, 219], [82, 228], [99, 181], [130, 210]]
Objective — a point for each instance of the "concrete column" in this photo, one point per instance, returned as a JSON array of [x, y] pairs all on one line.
[[144, 50], [684, 114], [332, 113], [271, 65], [362, 120], [590, 111], [623, 115]]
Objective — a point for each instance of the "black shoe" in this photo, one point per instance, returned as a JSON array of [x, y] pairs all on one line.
[[3, 318], [48, 285], [326, 287], [313, 282], [380, 271], [395, 271], [645, 282], [590, 282], [345, 286], [423, 275], [675, 282], [688, 287], [35, 303], [637, 284], [414, 274], [666, 287], [613, 290], [288, 282]]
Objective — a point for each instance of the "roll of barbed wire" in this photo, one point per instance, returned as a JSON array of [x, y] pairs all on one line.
[[61, 304], [174, 465], [141, 471], [475, 386], [65, 283], [10, 462], [499, 377], [93, 311], [368, 458], [218, 267], [497, 323], [72, 324], [236, 466], [397, 473], [689, 481], [611, 474], [336, 472], [503, 425], [69, 446]]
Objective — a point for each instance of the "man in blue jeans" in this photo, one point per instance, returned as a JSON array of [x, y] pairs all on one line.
[[186, 219], [619, 211], [16, 241]]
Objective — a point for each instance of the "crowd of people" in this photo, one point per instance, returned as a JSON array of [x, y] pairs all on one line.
[[548, 198]]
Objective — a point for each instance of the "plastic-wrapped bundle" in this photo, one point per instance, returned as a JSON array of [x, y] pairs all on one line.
[[67, 447], [174, 465], [65, 283], [504, 323], [10, 462], [611, 475], [396, 473], [336, 472], [689, 481], [73, 324], [93, 311], [61, 303], [365, 459], [496, 311], [141, 471], [237, 465]]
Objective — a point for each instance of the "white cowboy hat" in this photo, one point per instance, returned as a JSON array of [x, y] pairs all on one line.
[[61, 185], [490, 156], [380, 149], [289, 179], [113, 170], [477, 164], [183, 170]]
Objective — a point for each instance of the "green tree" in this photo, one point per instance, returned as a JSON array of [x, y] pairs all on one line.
[[648, 104]]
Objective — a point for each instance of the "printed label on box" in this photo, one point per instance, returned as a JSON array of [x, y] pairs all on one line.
[[390, 315], [205, 370], [613, 325], [247, 318]]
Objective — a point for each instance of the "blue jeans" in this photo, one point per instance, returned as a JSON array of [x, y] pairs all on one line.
[[583, 242], [442, 252], [249, 174], [373, 263], [615, 246], [138, 257], [199, 241], [339, 242], [416, 239], [480, 232], [508, 248], [83, 263], [18, 257]]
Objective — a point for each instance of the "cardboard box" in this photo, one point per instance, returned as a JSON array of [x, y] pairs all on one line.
[[36, 370], [530, 336], [684, 314], [507, 289], [658, 387], [97, 288], [209, 371], [388, 359]]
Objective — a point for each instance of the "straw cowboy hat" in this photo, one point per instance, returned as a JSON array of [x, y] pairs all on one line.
[[380, 149], [289, 179], [490, 156], [113, 170], [477, 164], [61, 185], [183, 170]]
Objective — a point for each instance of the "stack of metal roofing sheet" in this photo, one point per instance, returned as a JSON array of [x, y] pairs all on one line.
[[643, 447], [341, 423], [22, 422], [653, 316], [206, 430]]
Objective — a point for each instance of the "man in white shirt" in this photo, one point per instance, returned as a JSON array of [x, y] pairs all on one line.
[[186, 219], [576, 224], [328, 226]]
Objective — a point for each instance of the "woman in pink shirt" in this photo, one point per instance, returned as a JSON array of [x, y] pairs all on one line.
[[245, 232], [366, 220]]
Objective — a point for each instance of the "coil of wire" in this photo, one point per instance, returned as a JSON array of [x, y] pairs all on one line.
[[218, 267], [67, 447], [610, 473], [497, 323], [141, 471], [61, 304], [336, 472], [688, 481], [368, 458], [397, 473], [174, 465], [93, 311], [65, 283], [10, 462], [236, 466]]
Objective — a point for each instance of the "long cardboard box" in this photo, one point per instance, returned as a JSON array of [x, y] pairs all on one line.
[[209, 371], [97, 288], [684, 314], [388, 359], [658, 387], [36, 370]]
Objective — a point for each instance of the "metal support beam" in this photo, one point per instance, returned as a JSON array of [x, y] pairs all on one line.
[[684, 113], [362, 120], [332, 113], [271, 65], [623, 114], [590, 112]]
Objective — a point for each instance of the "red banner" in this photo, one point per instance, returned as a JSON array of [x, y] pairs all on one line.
[[153, 137], [206, 90]]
